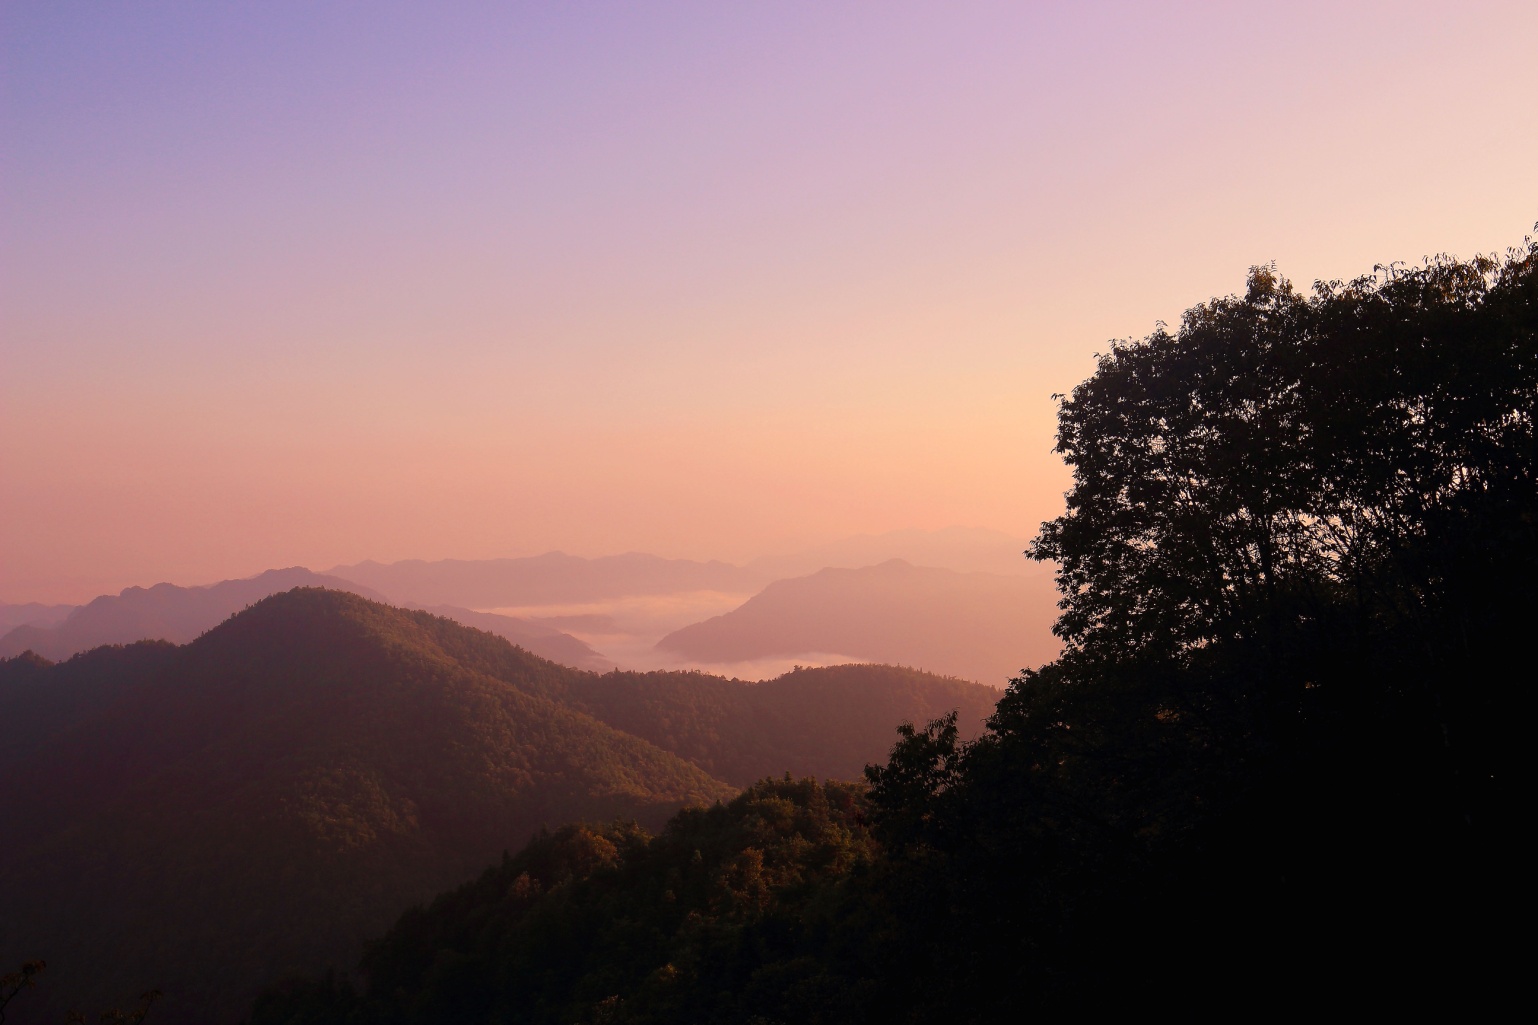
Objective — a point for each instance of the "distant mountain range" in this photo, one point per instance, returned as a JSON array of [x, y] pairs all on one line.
[[179, 614], [538, 638], [557, 578], [977, 626], [951, 612], [964, 549], [204, 818], [162, 612], [549, 579], [33, 613]]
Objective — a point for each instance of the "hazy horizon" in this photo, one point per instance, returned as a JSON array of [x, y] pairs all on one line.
[[959, 602], [785, 560], [290, 286]]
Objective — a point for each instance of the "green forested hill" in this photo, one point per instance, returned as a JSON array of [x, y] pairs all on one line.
[[42, 700], [278, 790], [826, 722], [206, 818], [593, 924]]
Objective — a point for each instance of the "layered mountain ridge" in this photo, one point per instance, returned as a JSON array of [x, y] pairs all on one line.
[[552, 578], [203, 818], [608, 612], [180, 614], [980, 626]]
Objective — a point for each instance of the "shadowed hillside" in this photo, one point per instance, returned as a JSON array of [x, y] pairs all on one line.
[[676, 923], [205, 818], [827, 722], [979, 626], [200, 818], [544, 641]]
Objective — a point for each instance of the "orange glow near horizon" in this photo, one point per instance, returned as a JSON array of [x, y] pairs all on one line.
[[279, 288]]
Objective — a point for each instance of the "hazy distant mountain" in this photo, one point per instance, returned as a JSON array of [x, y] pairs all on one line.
[[201, 818], [965, 549], [179, 614], [206, 818], [162, 612], [548, 579], [32, 614], [978, 626], [538, 638]]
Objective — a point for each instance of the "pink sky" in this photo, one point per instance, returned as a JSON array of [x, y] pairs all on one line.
[[284, 283]]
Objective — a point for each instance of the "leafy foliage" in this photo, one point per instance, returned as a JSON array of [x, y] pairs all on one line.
[[709, 921], [1295, 563], [13, 983]]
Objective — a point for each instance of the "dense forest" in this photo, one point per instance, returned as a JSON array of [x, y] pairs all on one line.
[[1271, 769], [204, 819]]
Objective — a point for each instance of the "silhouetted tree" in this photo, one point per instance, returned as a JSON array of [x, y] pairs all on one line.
[[1296, 562], [25, 977], [12, 983], [1338, 481]]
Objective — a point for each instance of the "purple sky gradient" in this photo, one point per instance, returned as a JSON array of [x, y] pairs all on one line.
[[295, 283]]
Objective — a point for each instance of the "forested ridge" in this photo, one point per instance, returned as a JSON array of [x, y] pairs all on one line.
[[1272, 770], [204, 819]]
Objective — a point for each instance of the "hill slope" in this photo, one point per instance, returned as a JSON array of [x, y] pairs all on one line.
[[206, 818], [203, 818], [825, 722], [828, 722], [979, 626], [544, 641], [679, 923]]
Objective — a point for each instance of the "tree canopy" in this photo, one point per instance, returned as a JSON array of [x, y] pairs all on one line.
[[1297, 564], [1284, 452]]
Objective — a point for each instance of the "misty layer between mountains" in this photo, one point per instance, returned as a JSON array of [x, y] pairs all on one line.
[[959, 602], [216, 815]]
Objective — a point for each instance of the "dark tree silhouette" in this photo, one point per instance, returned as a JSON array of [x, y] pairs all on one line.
[[1344, 479], [25, 977], [12, 983], [1297, 562]]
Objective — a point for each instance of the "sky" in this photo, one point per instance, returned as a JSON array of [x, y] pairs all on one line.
[[305, 284]]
